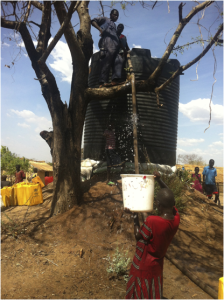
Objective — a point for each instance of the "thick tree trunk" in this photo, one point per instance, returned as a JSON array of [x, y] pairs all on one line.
[[66, 159], [67, 190]]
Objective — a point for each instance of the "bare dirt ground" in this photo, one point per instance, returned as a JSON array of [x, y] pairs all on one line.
[[44, 260]]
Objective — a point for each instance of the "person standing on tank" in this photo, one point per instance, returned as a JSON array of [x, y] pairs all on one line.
[[122, 54], [109, 45], [153, 239]]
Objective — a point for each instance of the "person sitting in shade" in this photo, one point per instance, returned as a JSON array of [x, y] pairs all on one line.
[[109, 46], [197, 182], [153, 239], [20, 175], [209, 174]]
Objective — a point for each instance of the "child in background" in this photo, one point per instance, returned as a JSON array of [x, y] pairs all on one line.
[[197, 182]]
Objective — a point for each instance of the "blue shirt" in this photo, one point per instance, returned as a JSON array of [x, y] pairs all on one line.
[[210, 175], [109, 40]]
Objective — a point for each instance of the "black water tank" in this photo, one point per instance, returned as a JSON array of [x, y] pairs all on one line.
[[157, 127]]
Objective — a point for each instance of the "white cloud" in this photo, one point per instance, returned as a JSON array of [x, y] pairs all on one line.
[[24, 125], [26, 114], [212, 151], [62, 61], [42, 123], [189, 142], [136, 46], [221, 133], [21, 44], [4, 44], [181, 150], [8, 115], [198, 110], [219, 143]]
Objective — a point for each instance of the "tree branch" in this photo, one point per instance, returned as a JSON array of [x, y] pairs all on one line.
[[69, 33], [27, 12], [31, 51], [44, 33], [98, 94], [34, 23], [59, 34], [84, 36], [154, 4], [188, 44], [10, 1], [180, 11], [102, 8], [37, 4], [187, 66], [48, 136], [48, 84], [175, 37]]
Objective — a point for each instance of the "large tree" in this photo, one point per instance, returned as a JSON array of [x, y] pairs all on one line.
[[68, 120]]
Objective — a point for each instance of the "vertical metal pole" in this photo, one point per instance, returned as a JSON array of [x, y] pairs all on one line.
[[134, 114]]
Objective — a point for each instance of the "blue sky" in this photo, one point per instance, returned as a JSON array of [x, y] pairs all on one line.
[[24, 112]]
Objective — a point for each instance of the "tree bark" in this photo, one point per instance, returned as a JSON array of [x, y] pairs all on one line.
[[66, 164]]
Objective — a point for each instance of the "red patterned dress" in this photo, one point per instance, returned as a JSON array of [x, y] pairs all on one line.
[[146, 274]]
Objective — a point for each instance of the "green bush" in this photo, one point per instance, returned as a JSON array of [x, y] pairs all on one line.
[[118, 263], [177, 186]]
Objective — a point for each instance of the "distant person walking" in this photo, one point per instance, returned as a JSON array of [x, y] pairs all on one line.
[[197, 182], [209, 174]]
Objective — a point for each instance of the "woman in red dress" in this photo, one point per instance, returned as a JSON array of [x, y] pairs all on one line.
[[197, 182], [153, 239]]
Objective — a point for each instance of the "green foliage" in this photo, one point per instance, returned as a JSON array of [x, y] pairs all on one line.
[[118, 263], [9, 161], [178, 187]]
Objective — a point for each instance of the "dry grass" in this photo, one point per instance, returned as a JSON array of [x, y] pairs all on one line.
[[219, 177]]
